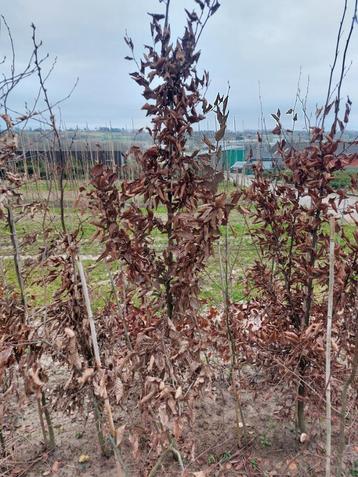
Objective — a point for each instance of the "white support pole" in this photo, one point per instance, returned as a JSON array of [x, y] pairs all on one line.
[[328, 350]]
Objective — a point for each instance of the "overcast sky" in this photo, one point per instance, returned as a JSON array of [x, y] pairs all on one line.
[[247, 42]]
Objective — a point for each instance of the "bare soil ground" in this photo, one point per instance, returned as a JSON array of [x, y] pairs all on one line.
[[272, 448]]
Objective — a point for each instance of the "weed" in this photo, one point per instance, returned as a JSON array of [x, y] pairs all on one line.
[[264, 441]]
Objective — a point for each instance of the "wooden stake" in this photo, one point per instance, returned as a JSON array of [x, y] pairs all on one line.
[[328, 350], [120, 468]]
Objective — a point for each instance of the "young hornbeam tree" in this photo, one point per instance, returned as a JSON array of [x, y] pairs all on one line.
[[70, 314], [175, 198], [62, 331], [292, 217], [22, 353], [172, 177]]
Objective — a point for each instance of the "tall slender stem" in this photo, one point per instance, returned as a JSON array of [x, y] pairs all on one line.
[[17, 259]]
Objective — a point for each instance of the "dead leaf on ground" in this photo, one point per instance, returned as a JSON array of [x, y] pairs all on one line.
[[55, 467], [84, 458]]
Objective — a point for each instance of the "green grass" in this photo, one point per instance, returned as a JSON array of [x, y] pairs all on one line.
[[342, 179], [39, 293], [241, 254]]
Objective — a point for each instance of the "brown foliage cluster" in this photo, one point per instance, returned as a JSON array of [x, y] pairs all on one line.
[[291, 216], [184, 184], [162, 357]]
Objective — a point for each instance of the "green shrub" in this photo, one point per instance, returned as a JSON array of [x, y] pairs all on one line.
[[343, 179]]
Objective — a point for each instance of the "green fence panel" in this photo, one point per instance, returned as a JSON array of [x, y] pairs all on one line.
[[230, 156]]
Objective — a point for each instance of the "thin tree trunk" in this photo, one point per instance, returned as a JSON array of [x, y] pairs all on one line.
[[120, 311], [42, 422], [51, 433], [225, 278], [2, 442], [301, 422], [17, 259], [98, 417], [3, 273], [305, 321], [168, 290]]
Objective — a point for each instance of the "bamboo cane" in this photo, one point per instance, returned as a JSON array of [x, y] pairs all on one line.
[[120, 467], [328, 350]]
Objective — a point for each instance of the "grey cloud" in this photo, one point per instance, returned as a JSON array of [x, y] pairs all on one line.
[[245, 42]]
